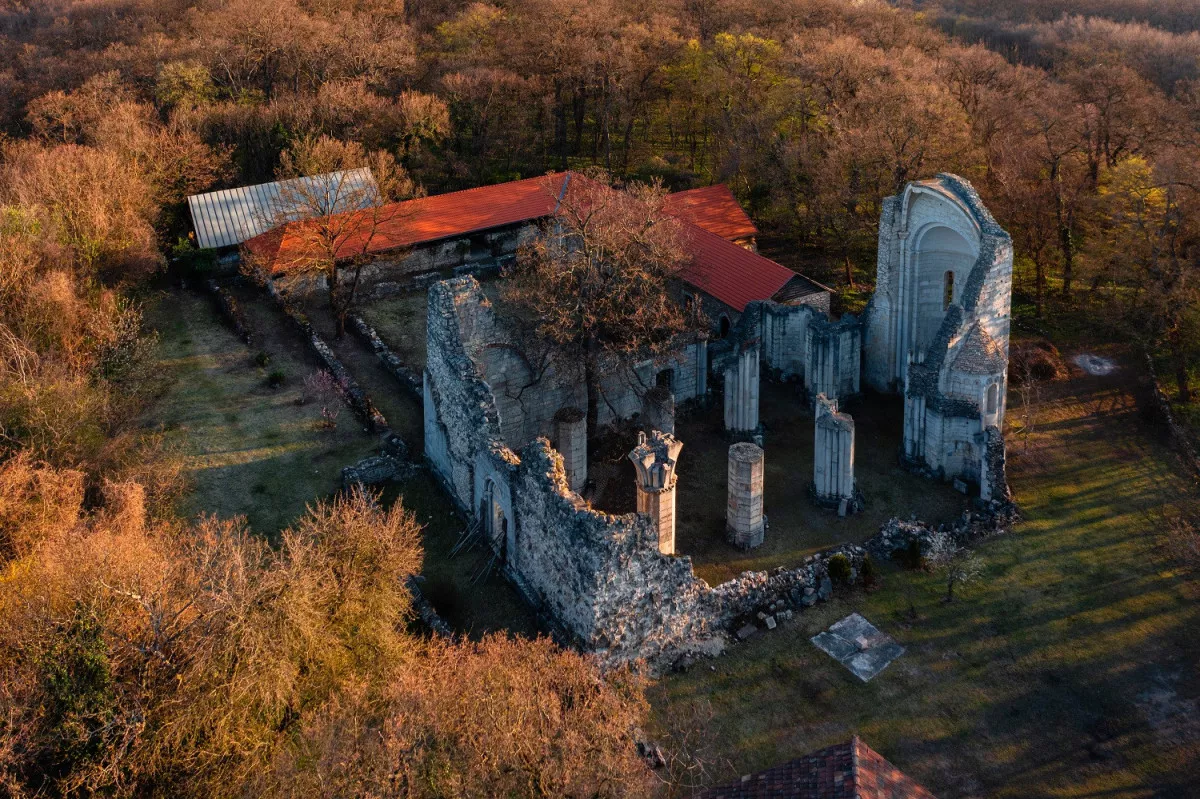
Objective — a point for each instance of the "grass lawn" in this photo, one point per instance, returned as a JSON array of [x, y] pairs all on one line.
[[251, 450], [400, 322], [1068, 671], [248, 449], [797, 527]]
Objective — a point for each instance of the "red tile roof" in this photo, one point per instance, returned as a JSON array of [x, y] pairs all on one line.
[[713, 208], [851, 770], [424, 220], [730, 273]]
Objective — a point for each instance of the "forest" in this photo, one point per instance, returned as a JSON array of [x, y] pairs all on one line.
[[142, 654]]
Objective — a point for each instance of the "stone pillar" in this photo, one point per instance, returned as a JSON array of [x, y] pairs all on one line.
[[833, 454], [741, 390], [654, 458], [570, 439], [658, 409], [745, 524]]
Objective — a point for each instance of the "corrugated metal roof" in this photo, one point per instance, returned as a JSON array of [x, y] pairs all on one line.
[[229, 217]]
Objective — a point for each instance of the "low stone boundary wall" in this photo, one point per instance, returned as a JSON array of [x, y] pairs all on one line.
[[351, 391], [407, 377], [231, 312]]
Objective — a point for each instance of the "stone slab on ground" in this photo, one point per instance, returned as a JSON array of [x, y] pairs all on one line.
[[859, 646]]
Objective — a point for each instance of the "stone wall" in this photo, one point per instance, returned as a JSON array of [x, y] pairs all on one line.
[[348, 387], [479, 253]]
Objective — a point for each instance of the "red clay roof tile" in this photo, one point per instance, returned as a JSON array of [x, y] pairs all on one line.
[[851, 770], [724, 270], [713, 208]]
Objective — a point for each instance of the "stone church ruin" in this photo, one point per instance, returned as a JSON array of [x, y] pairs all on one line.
[[505, 433], [508, 441]]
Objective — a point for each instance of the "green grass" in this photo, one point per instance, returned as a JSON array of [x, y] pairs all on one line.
[[400, 322], [1069, 671], [247, 449], [466, 589]]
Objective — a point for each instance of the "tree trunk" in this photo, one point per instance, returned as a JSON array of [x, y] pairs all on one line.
[[560, 125], [949, 589], [591, 375], [849, 272], [1039, 285], [1178, 356], [1066, 241]]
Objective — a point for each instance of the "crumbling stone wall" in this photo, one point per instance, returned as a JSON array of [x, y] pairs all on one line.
[[479, 253]]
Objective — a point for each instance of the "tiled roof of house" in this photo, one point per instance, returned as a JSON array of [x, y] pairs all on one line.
[[732, 274], [851, 770], [720, 268], [713, 208], [424, 220]]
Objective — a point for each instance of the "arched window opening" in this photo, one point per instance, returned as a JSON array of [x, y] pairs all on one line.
[[947, 290], [724, 324], [993, 398]]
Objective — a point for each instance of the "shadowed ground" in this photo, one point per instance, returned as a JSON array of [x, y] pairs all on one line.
[[1069, 671], [797, 527]]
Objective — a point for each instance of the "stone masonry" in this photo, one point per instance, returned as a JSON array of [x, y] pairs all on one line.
[[570, 439], [833, 454], [654, 459], [745, 524]]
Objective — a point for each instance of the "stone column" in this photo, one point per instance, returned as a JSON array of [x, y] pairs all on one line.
[[658, 409], [745, 524], [570, 439], [833, 454], [654, 458], [741, 390]]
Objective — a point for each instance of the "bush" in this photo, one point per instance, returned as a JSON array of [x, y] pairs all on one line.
[[262, 360], [839, 569], [911, 555], [869, 572], [276, 379]]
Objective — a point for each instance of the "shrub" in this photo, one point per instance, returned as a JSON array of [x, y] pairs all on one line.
[[276, 379], [839, 569], [911, 555], [262, 360], [869, 572]]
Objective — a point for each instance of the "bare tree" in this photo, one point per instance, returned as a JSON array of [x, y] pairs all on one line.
[[327, 220], [597, 280], [958, 564]]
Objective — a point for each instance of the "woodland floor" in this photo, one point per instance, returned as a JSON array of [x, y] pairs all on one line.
[[1069, 670]]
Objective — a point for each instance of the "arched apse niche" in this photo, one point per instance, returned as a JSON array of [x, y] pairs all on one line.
[[942, 259]]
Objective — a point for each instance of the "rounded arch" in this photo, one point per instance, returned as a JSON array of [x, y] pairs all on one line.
[[723, 325], [941, 259]]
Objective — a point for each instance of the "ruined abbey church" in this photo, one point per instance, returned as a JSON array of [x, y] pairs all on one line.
[[507, 437], [511, 447]]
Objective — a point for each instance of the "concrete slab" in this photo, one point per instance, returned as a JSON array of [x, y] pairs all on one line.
[[859, 646]]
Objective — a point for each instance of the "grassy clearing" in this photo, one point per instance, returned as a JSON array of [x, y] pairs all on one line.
[[400, 321], [251, 450], [1070, 671], [248, 449], [797, 526]]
